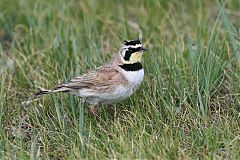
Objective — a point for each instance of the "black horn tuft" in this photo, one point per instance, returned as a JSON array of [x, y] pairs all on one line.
[[132, 42]]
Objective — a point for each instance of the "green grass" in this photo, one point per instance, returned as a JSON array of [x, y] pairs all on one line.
[[186, 108]]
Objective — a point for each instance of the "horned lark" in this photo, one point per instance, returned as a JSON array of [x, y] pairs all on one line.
[[110, 83]]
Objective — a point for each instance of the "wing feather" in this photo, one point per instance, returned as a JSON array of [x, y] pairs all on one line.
[[101, 77]]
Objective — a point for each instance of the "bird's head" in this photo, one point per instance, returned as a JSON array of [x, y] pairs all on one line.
[[132, 51]]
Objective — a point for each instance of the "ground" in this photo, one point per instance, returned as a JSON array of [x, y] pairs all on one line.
[[186, 108]]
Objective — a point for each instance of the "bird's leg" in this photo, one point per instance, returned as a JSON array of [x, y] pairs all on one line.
[[94, 110]]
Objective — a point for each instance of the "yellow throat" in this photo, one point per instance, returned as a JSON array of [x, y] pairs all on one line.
[[135, 57]]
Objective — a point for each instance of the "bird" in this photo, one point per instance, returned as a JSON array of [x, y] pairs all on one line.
[[110, 83]]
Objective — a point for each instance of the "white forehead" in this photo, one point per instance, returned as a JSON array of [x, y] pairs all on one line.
[[137, 45], [132, 46]]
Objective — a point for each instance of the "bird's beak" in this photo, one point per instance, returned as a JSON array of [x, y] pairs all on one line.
[[144, 49]]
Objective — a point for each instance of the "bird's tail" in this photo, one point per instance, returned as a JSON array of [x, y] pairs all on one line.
[[43, 91]]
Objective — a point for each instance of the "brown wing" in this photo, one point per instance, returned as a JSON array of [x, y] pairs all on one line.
[[101, 77]]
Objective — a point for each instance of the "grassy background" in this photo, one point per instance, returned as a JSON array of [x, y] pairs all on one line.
[[186, 108]]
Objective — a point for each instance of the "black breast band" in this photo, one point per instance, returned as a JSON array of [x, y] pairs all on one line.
[[132, 67]]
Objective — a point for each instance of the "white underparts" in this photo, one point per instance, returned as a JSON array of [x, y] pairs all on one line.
[[119, 93]]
